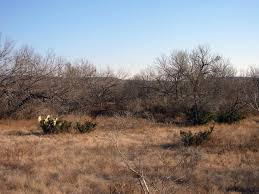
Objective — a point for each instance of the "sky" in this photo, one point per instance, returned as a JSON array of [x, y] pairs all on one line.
[[128, 35]]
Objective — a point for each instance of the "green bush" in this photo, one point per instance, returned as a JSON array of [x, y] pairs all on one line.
[[229, 117], [53, 125], [198, 115], [85, 127], [189, 139]]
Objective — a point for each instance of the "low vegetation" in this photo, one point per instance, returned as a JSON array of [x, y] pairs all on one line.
[[123, 153], [52, 125], [85, 127], [136, 146]]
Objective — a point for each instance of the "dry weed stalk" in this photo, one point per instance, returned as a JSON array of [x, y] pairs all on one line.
[[148, 181], [132, 168]]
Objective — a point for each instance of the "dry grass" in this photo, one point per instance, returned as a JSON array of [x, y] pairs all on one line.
[[89, 163]]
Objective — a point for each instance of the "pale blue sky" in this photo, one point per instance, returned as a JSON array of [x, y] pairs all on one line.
[[130, 34]]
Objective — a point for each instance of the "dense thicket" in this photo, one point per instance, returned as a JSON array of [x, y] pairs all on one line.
[[187, 86]]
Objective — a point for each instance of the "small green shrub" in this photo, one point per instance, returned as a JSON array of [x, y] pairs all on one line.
[[85, 127], [189, 139], [54, 125]]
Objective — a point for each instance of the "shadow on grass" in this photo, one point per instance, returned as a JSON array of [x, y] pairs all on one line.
[[26, 133], [170, 146], [244, 190]]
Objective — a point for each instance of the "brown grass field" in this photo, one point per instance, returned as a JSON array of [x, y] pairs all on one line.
[[31, 162]]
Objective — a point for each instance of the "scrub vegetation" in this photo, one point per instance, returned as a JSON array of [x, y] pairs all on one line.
[[186, 124]]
